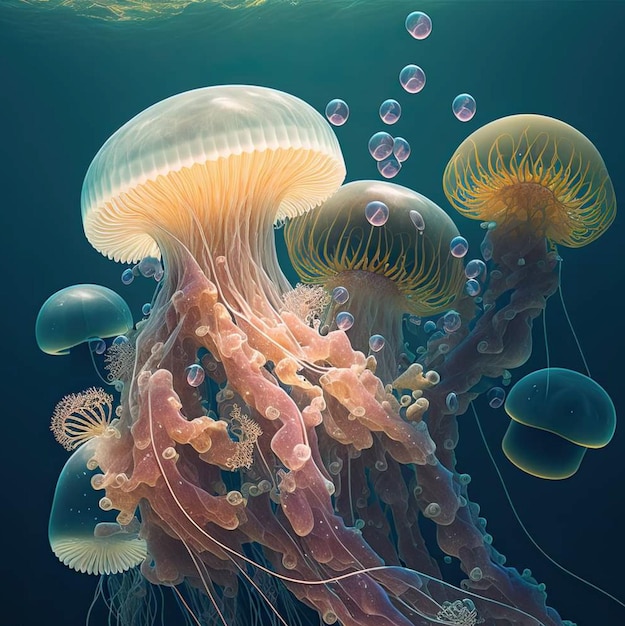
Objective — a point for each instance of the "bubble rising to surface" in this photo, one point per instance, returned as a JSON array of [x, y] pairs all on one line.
[[412, 78], [464, 107], [390, 111], [419, 25], [337, 112]]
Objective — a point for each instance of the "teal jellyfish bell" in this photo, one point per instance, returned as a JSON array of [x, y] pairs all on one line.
[[79, 313], [556, 415], [83, 530]]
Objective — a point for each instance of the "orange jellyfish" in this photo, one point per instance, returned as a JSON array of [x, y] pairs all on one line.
[[532, 177]]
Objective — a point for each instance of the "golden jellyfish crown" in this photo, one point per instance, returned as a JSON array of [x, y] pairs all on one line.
[[535, 171], [337, 238]]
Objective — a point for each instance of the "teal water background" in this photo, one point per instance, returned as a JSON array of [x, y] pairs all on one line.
[[68, 82]]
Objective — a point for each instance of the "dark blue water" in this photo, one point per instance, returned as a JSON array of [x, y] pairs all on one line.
[[68, 82]]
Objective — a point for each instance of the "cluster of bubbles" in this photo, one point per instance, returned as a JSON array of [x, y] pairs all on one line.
[[390, 152], [345, 320], [475, 271], [149, 267]]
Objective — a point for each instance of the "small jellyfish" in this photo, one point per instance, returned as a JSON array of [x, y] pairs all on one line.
[[389, 168], [195, 375], [390, 111], [429, 326], [401, 149], [83, 535], [419, 25], [146, 308], [376, 213], [337, 112], [464, 107], [458, 247], [344, 320], [340, 295], [556, 414], [376, 343], [381, 146], [76, 314], [412, 78]]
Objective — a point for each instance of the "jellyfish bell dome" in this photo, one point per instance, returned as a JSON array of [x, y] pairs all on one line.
[[338, 238], [533, 173], [190, 160], [83, 534], [556, 415], [385, 246], [79, 313]]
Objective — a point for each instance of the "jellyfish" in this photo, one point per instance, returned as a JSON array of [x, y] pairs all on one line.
[[556, 415], [379, 272], [199, 180], [162, 184], [78, 314], [536, 182], [82, 535], [534, 177], [290, 459]]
